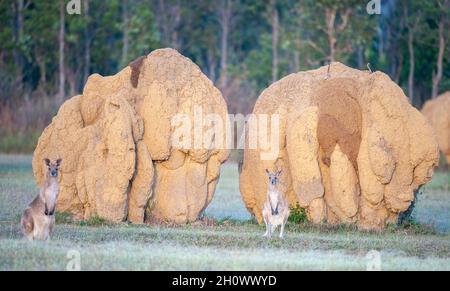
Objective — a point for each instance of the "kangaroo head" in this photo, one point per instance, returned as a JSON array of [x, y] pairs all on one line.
[[273, 177], [52, 167]]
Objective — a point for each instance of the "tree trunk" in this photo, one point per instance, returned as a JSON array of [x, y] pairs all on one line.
[[275, 31], [381, 42], [411, 31], [176, 16], [62, 32], [40, 60], [125, 40], [411, 65], [360, 52], [225, 16], [297, 54], [18, 8], [296, 61], [164, 26], [20, 18], [211, 65], [437, 76], [330, 18], [87, 43], [71, 80], [399, 69], [396, 55], [169, 18]]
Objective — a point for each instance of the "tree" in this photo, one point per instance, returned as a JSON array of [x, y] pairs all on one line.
[[19, 7], [443, 22], [330, 25], [242, 46], [87, 42], [412, 23], [169, 12], [275, 32], [125, 24], [40, 41], [295, 33], [225, 10], [62, 31]]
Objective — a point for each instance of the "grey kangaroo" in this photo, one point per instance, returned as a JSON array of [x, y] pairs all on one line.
[[38, 218], [276, 208]]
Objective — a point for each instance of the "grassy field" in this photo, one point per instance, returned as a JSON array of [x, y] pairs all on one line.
[[233, 243]]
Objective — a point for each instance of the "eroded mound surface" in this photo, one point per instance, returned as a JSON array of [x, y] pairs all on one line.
[[437, 112], [352, 149], [115, 142]]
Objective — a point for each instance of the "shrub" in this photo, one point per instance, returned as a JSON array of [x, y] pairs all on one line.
[[297, 215]]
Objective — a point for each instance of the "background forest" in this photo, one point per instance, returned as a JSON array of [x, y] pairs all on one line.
[[47, 54]]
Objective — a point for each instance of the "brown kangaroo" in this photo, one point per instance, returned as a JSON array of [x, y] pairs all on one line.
[[38, 218], [276, 208]]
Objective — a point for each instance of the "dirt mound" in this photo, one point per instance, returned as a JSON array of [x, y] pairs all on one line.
[[437, 112], [352, 149], [119, 161]]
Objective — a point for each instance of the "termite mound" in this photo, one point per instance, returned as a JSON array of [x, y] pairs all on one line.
[[352, 149], [115, 141], [437, 112]]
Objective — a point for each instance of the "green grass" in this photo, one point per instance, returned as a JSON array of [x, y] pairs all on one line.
[[234, 242]]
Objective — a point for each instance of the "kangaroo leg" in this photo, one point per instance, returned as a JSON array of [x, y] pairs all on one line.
[[266, 221], [283, 224], [267, 229], [274, 228], [47, 233], [282, 229], [270, 230], [50, 227], [27, 224]]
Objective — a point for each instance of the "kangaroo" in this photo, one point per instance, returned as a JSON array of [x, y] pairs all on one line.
[[38, 218], [276, 208]]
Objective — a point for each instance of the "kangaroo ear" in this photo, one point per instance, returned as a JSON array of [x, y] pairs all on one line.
[[58, 162], [47, 162], [267, 171], [279, 172]]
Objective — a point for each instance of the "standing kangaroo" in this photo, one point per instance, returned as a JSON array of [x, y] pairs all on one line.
[[276, 208], [39, 217]]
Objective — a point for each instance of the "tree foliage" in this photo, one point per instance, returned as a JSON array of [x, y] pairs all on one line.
[[107, 35]]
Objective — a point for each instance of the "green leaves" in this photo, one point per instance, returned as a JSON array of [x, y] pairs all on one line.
[[107, 36]]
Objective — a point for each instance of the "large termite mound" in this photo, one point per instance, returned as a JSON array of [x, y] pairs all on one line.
[[351, 147], [115, 140], [437, 112]]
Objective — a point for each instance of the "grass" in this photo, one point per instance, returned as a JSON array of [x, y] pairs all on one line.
[[19, 142], [234, 242]]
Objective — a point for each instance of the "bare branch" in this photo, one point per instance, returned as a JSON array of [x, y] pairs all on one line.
[[345, 17], [314, 46]]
